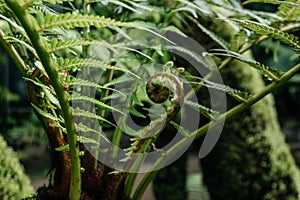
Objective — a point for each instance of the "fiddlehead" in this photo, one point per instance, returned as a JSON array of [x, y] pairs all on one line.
[[162, 88]]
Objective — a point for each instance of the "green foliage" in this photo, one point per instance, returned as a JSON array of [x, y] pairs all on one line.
[[14, 183]]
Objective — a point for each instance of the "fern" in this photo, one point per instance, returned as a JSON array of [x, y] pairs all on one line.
[[262, 29]]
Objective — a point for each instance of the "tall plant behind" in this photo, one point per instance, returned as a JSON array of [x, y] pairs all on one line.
[[52, 42]]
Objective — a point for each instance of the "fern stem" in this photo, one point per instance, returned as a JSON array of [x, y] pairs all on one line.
[[30, 28]]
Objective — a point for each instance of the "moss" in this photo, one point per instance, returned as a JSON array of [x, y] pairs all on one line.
[[14, 183], [251, 160]]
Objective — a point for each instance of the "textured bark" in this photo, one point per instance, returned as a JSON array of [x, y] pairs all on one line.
[[251, 160]]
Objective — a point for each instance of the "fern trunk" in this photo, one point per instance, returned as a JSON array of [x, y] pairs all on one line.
[[251, 160]]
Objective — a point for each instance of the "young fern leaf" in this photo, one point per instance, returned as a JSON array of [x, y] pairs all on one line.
[[262, 29], [270, 73]]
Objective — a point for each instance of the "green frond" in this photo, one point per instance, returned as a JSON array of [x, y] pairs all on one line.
[[194, 6], [57, 45], [187, 52], [237, 94], [238, 40], [89, 115], [145, 7], [78, 97], [205, 111], [88, 83], [69, 20], [262, 29], [45, 114], [67, 64], [289, 11], [274, 2], [122, 4], [85, 129], [270, 73]]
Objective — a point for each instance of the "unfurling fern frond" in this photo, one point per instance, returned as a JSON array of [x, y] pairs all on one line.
[[270, 73], [262, 29]]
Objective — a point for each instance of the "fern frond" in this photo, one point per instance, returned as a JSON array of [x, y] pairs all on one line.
[[193, 55], [67, 64], [122, 4], [88, 83], [288, 11], [238, 40], [57, 45], [262, 29], [194, 6], [85, 129], [78, 97], [270, 73], [145, 7], [237, 94], [205, 111], [45, 114], [274, 2], [69, 20], [86, 114]]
